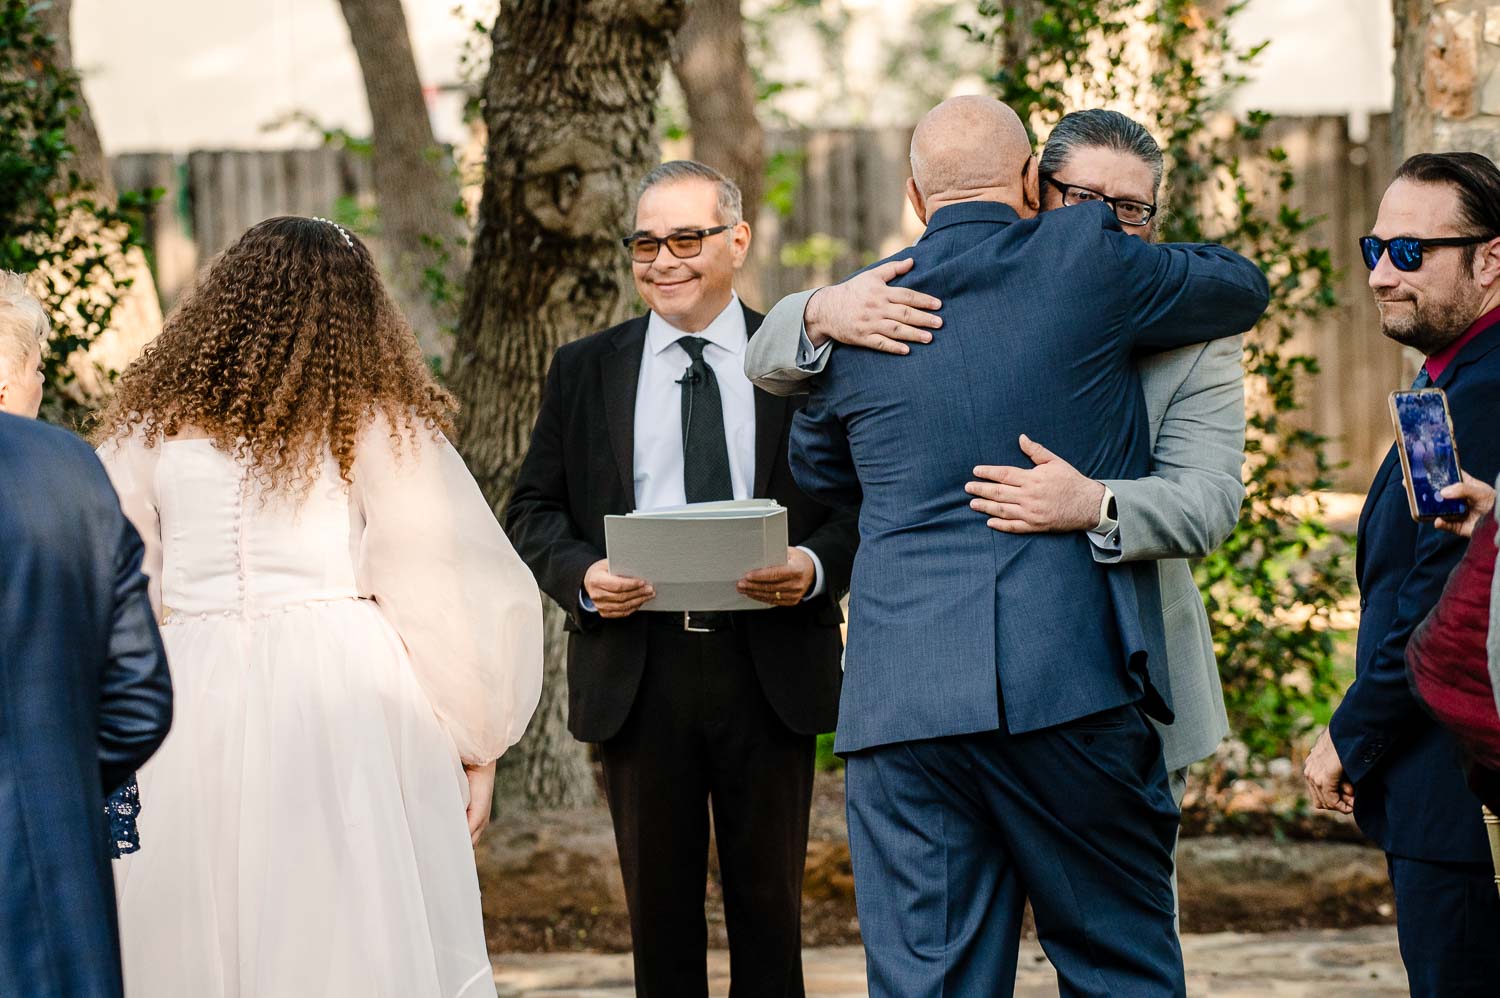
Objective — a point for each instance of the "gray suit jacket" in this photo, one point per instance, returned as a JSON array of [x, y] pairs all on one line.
[[1195, 401]]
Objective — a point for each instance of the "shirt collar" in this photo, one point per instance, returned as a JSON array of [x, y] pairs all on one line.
[[727, 331], [1438, 362]]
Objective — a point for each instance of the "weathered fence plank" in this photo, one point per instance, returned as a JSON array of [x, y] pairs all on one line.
[[851, 192]]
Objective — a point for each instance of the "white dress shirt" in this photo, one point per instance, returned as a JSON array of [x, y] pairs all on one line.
[[658, 407], [657, 461]]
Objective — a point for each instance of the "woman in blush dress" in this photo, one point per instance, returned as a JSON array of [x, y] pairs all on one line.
[[352, 640]]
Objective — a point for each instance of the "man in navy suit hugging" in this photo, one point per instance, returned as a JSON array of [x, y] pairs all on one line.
[[997, 685]]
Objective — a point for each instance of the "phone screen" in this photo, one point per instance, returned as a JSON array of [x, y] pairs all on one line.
[[1430, 454]]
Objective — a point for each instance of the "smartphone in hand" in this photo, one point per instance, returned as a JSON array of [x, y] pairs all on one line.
[[1429, 456]]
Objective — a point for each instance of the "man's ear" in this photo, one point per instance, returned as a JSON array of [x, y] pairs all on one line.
[[1487, 263], [1031, 185], [915, 197], [739, 243]]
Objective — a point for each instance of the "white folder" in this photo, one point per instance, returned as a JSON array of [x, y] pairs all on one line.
[[693, 555]]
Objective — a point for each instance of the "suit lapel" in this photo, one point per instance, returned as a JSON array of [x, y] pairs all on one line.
[[770, 421], [621, 374], [1476, 349], [1378, 487]]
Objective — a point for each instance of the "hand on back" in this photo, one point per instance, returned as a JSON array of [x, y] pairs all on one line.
[[865, 311], [1050, 497]]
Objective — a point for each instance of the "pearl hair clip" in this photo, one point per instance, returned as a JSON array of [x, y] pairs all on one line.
[[342, 231]]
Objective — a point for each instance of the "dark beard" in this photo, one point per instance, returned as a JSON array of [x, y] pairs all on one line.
[[1435, 325]]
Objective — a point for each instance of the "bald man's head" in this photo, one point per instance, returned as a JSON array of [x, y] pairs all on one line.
[[971, 148]]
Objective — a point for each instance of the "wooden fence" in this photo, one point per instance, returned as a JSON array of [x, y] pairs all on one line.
[[848, 208]]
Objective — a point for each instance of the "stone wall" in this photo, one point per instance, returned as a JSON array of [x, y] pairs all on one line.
[[1447, 76]]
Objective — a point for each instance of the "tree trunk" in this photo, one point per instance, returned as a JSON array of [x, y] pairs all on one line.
[[569, 105], [709, 62], [1013, 42], [422, 230], [137, 316], [1411, 122]]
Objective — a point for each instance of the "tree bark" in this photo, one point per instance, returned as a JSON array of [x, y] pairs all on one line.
[[710, 63], [415, 186], [1411, 122], [569, 105], [137, 316]]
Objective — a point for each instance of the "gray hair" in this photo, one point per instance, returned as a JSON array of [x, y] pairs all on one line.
[[1097, 128], [23, 322], [730, 206]]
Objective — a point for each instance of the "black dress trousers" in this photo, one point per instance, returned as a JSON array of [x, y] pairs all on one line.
[[701, 735]]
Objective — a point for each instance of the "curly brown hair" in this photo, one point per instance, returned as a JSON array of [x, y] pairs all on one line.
[[288, 346]]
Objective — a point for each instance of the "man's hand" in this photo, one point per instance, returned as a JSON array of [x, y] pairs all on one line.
[[865, 312], [1326, 782], [1053, 497], [1481, 500], [781, 585], [481, 797], [615, 596]]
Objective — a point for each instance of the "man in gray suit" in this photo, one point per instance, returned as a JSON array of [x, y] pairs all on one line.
[[1194, 401]]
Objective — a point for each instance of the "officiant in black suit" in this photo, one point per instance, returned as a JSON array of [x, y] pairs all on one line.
[[697, 711], [85, 699]]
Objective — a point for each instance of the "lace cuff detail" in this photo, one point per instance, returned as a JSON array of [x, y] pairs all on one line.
[[121, 809]]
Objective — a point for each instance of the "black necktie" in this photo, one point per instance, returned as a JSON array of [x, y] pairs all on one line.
[[705, 455]]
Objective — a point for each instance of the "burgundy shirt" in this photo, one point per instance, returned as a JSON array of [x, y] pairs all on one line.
[[1438, 362], [1447, 663]]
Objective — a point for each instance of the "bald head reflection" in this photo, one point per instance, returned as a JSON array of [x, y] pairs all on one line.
[[971, 148]]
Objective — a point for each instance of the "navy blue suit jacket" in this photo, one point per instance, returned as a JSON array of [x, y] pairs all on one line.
[[1410, 793], [951, 622], [84, 700]]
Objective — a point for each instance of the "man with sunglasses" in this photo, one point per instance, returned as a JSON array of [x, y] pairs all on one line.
[[1434, 260], [701, 712]]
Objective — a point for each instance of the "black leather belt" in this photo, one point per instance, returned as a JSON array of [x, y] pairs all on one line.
[[695, 621]]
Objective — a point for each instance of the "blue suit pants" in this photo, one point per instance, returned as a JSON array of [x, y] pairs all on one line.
[[1448, 924], [950, 837]]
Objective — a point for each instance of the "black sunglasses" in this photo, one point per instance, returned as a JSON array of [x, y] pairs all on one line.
[[1129, 212], [684, 245], [1406, 251]]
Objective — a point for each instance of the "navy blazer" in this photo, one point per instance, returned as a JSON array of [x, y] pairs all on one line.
[[951, 622], [1410, 793], [84, 700]]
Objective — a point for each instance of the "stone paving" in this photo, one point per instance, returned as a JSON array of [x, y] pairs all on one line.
[[1351, 963]]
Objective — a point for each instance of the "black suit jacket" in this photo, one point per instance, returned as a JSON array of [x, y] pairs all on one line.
[[1410, 792], [84, 699], [580, 468]]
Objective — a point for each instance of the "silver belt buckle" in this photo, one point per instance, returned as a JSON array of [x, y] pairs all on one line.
[[687, 624]]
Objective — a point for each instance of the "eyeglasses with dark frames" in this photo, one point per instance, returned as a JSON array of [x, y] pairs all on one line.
[[1406, 251], [1128, 212], [683, 244]]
